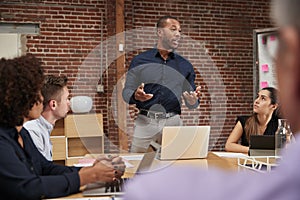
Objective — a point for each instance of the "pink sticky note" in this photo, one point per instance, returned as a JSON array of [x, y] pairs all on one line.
[[272, 37], [265, 67], [264, 84], [263, 40]]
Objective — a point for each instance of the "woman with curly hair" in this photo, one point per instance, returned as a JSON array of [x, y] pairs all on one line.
[[24, 172]]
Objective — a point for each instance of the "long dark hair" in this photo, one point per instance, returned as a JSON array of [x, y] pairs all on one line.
[[251, 126]]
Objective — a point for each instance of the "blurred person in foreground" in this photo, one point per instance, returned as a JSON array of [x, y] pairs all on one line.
[[282, 182], [24, 171]]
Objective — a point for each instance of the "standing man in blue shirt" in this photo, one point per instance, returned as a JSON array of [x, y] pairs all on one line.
[[56, 106], [157, 81]]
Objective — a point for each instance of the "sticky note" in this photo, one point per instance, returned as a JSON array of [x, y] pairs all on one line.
[[265, 67], [263, 40], [272, 38], [264, 84]]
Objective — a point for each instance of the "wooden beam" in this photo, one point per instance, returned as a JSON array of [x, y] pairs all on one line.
[[120, 63]]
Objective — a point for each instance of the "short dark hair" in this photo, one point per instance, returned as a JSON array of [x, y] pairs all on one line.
[[161, 23], [21, 80], [53, 87]]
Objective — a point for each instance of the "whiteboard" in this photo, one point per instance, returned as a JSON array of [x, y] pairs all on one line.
[[265, 47]]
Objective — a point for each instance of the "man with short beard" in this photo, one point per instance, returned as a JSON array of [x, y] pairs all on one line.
[[157, 81]]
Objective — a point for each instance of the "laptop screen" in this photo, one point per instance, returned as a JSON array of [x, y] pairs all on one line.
[[184, 142], [262, 142], [146, 162]]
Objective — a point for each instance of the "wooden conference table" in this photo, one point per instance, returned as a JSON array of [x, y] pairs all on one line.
[[212, 161]]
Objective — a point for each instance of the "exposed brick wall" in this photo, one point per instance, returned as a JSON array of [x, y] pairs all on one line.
[[69, 41], [217, 40]]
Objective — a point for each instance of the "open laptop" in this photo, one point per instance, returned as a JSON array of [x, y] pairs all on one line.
[[184, 142], [117, 187], [262, 145]]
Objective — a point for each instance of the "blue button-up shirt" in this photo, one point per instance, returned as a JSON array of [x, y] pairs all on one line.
[[26, 174], [40, 130], [165, 79]]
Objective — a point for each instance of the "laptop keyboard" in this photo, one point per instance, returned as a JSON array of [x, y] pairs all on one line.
[[115, 186]]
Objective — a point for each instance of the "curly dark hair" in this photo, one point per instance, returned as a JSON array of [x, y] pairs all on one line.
[[21, 80]]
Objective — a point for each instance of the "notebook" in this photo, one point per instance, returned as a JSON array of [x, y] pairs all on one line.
[[117, 187], [262, 145], [184, 142]]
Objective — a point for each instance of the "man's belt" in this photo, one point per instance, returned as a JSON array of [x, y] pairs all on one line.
[[157, 115]]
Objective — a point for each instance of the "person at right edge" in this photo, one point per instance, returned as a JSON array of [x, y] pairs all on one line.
[[157, 81]]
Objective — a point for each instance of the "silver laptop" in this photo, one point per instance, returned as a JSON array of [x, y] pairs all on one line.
[[117, 188], [184, 142]]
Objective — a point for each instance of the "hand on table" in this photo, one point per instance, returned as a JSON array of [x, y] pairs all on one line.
[[99, 172], [106, 168], [113, 161]]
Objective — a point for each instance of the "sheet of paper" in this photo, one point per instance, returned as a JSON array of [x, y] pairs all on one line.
[[87, 162], [127, 158], [83, 164], [133, 157], [127, 164], [230, 154]]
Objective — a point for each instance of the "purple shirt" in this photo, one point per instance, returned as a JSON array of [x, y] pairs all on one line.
[[193, 183]]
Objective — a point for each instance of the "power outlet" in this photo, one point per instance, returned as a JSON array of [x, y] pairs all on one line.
[[100, 88]]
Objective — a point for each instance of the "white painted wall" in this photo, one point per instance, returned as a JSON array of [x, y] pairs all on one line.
[[10, 45]]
